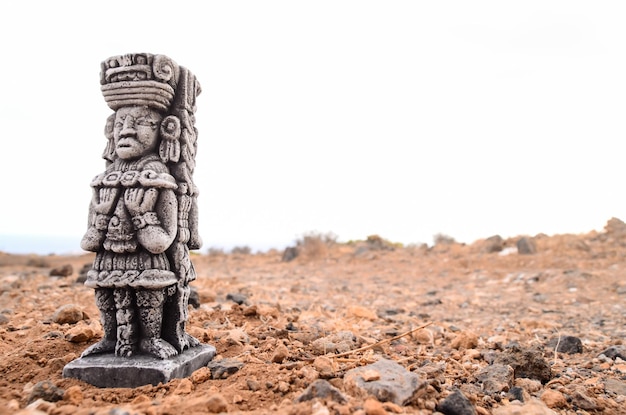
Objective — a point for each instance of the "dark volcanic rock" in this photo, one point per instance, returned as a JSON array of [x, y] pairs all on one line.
[[456, 404], [526, 363], [566, 344]]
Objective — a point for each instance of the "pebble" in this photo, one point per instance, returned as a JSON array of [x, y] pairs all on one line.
[[339, 342], [185, 387], [201, 375], [614, 352], [554, 399], [396, 384], [566, 344], [46, 391], [223, 368], [496, 378], [80, 334], [68, 314], [280, 354], [526, 363], [237, 298], [62, 271], [456, 404], [535, 407], [373, 407], [465, 340], [321, 389]]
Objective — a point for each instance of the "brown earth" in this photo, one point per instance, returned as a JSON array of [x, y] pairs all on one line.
[[477, 300]]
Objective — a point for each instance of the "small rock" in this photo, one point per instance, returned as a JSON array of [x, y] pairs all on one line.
[[201, 375], [554, 399], [516, 394], [185, 387], [214, 404], [290, 253], [615, 386], [82, 274], [465, 340], [340, 342], [253, 385], [324, 366], [582, 401], [237, 298], [566, 344], [68, 314], [496, 378], [221, 369], [238, 336], [614, 352], [321, 389], [280, 354], [79, 334], [493, 244], [535, 407], [526, 363], [62, 271], [373, 407], [526, 246], [456, 404], [3, 319], [47, 391], [396, 384]]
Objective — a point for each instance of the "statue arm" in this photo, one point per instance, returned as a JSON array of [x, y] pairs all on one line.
[[158, 230]]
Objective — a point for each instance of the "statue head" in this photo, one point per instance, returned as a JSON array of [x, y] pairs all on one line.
[[140, 88]]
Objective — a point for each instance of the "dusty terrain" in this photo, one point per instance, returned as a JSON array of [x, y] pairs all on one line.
[[495, 321]]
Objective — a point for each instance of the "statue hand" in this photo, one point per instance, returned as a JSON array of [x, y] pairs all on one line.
[[139, 200], [104, 199]]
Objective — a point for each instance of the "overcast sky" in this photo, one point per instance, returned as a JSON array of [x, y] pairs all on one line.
[[400, 118]]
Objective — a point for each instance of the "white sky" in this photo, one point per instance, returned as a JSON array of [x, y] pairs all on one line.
[[401, 118]]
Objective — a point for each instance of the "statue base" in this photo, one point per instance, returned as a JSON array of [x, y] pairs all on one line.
[[109, 371]]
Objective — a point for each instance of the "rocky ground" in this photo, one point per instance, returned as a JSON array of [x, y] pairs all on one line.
[[527, 325]]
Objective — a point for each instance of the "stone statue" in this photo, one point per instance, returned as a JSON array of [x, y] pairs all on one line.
[[143, 216]]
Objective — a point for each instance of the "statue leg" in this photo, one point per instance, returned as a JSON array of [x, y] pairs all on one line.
[[150, 305], [127, 330], [106, 305]]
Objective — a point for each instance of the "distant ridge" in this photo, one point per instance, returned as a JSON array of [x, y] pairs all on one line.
[[40, 244]]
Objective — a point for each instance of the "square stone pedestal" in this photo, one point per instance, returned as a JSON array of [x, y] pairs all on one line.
[[109, 371]]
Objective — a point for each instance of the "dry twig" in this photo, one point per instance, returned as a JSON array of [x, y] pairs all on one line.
[[371, 346]]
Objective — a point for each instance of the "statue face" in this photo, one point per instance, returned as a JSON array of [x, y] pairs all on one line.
[[136, 132]]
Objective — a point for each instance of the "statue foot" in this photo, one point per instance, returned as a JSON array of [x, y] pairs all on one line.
[[158, 348], [191, 341], [124, 350], [103, 346]]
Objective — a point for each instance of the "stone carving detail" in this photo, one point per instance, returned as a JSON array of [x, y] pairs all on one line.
[[143, 216]]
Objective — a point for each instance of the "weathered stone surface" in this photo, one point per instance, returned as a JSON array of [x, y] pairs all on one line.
[[566, 344], [47, 391], [62, 271], [526, 246], [68, 314], [456, 404], [526, 363], [223, 368], [321, 389], [496, 378], [143, 216], [395, 384], [109, 371]]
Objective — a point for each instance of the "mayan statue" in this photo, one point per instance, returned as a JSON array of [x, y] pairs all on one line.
[[143, 216]]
